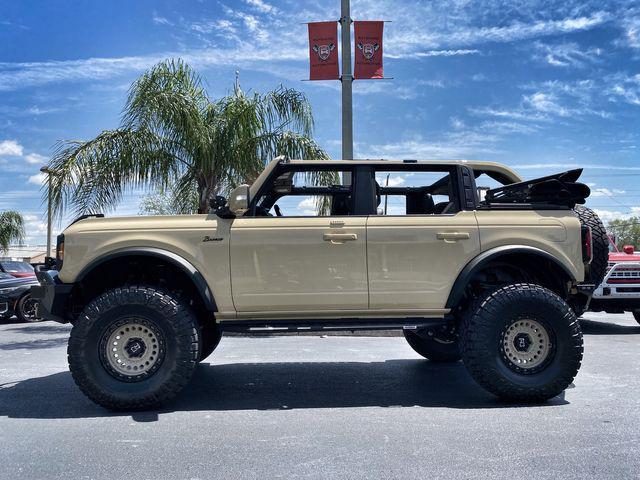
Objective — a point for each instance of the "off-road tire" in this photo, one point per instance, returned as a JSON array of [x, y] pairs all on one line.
[[165, 314], [599, 247], [210, 337], [482, 332], [23, 309], [636, 315], [433, 349]]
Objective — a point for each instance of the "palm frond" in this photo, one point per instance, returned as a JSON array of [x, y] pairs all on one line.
[[11, 229]]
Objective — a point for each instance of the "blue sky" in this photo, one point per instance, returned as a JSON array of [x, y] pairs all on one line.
[[542, 86]]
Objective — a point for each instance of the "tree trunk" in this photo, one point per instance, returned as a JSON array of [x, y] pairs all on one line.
[[203, 197]]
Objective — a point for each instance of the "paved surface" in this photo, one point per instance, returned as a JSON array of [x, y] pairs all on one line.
[[321, 408]]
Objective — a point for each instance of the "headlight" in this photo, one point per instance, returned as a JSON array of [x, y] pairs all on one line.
[[7, 290]]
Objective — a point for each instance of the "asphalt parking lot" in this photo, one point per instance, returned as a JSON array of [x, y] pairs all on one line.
[[312, 407]]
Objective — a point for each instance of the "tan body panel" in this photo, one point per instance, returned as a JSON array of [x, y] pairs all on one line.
[[299, 263], [90, 239], [414, 260], [554, 231]]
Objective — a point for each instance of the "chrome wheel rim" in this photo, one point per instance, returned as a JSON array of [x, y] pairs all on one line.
[[132, 349], [526, 346]]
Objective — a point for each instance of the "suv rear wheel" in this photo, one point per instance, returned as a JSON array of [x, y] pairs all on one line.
[[133, 348], [434, 345], [522, 342]]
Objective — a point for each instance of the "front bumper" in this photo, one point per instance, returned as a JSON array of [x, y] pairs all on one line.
[[52, 296], [4, 307]]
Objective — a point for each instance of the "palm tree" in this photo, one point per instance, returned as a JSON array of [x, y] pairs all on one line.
[[11, 229], [174, 139]]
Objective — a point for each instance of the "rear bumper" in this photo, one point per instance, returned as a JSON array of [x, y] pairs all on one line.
[[52, 296]]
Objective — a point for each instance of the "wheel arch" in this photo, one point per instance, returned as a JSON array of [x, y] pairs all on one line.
[[181, 264], [525, 253]]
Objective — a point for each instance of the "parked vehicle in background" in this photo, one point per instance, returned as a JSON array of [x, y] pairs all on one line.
[[17, 269], [619, 292], [16, 299], [310, 246]]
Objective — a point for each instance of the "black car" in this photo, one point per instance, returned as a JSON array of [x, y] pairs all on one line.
[[15, 298]]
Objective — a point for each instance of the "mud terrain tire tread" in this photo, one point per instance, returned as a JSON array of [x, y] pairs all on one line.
[[482, 326], [600, 245], [210, 337], [177, 320]]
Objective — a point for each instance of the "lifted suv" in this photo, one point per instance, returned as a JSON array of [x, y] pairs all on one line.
[[482, 274]]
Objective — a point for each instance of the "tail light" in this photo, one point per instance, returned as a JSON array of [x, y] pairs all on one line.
[[587, 244]]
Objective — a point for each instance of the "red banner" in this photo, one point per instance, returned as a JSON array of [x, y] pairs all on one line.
[[368, 57], [323, 51]]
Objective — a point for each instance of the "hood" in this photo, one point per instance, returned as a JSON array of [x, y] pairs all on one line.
[[140, 222], [623, 257]]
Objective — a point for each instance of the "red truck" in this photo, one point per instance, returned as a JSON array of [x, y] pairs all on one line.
[[619, 292]]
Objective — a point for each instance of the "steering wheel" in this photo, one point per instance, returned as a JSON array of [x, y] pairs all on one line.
[[277, 210]]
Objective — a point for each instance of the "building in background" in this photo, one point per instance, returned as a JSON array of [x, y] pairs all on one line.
[[25, 253]]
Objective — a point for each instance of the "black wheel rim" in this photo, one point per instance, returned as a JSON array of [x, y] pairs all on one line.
[[28, 309]]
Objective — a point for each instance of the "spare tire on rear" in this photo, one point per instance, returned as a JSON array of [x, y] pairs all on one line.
[[599, 246]]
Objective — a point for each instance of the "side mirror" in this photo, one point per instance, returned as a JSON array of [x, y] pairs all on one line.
[[239, 200], [628, 249]]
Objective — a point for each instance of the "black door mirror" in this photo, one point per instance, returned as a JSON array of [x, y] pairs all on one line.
[[219, 206], [217, 202]]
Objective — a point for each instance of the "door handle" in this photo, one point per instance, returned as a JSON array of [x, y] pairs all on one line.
[[452, 236], [337, 238]]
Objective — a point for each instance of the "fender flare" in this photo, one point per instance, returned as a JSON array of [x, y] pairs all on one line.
[[172, 258], [480, 261]]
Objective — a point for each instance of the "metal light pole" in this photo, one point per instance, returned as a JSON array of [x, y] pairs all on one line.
[[47, 171], [347, 81]]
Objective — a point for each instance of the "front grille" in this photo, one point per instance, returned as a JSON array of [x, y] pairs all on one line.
[[625, 274]]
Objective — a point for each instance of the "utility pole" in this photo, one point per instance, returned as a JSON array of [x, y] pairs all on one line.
[[347, 81], [47, 171]]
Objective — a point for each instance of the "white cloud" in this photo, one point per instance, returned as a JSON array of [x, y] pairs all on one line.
[[35, 159], [307, 203], [10, 148], [566, 54], [433, 53], [37, 179], [631, 26], [546, 103], [158, 20], [262, 6], [605, 192], [607, 215]]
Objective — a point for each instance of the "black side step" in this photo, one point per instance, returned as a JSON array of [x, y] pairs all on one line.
[[272, 326]]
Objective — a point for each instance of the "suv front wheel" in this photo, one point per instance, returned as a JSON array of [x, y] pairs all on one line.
[[134, 348], [522, 342]]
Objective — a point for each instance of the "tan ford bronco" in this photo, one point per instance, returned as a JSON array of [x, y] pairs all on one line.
[[469, 261]]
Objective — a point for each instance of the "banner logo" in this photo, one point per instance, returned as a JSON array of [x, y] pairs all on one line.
[[368, 50], [324, 51]]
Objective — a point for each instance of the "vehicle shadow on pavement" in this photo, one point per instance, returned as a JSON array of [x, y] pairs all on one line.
[[592, 327], [274, 386]]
